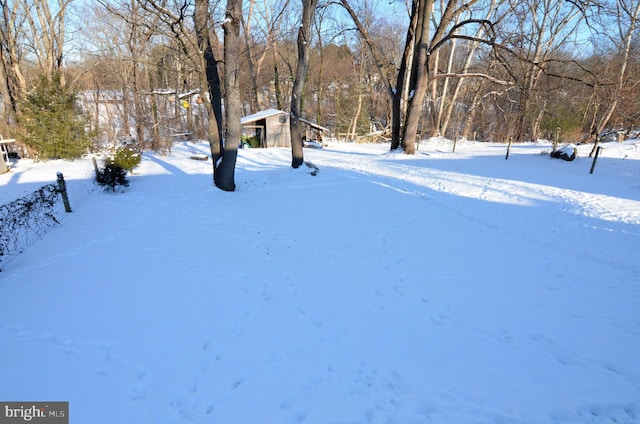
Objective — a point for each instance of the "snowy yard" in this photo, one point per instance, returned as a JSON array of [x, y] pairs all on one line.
[[439, 288]]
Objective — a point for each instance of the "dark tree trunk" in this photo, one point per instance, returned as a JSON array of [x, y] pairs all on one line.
[[304, 37], [210, 82], [397, 110], [276, 79], [254, 102], [225, 178], [9, 101]]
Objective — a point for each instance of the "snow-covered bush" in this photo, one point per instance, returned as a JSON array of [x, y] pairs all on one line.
[[567, 153]]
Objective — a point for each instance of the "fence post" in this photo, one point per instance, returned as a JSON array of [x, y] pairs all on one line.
[[556, 140], [595, 159], [508, 148], [62, 186], [95, 164], [455, 141]]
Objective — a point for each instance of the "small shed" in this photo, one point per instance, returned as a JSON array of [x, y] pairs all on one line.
[[271, 127]]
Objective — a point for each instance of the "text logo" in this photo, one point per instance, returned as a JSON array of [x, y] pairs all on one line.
[[34, 412]]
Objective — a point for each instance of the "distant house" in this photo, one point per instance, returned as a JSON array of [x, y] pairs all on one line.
[[271, 127]]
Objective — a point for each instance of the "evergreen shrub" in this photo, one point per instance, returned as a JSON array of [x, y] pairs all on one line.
[[112, 175], [127, 157], [252, 141], [54, 127]]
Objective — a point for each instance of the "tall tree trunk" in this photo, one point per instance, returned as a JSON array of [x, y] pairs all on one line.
[[8, 102], [445, 99], [253, 75], [398, 108], [138, 98], [209, 82], [418, 83], [225, 178], [320, 93], [126, 113], [422, 67], [13, 84], [155, 118], [304, 38], [471, 114], [353, 125], [276, 79]]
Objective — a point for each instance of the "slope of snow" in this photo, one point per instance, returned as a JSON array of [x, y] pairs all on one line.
[[438, 288]]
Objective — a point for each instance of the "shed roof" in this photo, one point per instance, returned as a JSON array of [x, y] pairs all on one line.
[[273, 112], [314, 125], [261, 115]]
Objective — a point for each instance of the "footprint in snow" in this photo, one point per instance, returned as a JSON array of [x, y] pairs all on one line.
[[137, 392]]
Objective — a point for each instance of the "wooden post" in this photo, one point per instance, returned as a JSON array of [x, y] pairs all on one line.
[[95, 165], [455, 141], [595, 159], [62, 186], [3, 165], [508, 148], [556, 140]]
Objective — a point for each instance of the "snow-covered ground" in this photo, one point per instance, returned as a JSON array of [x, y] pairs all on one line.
[[438, 288]]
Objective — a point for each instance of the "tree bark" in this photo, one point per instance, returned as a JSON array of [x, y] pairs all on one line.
[[304, 38], [253, 75], [418, 82], [398, 108], [8, 101], [225, 178], [210, 83], [13, 83], [422, 67]]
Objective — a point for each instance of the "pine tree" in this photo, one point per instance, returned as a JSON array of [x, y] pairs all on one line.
[[54, 128], [127, 157], [112, 175]]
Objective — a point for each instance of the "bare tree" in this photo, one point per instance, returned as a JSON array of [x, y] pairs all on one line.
[[449, 101], [47, 34], [382, 64], [532, 43], [233, 105], [427, 32], [262, 27], [12, 81], [121, 36], [198, 49], [210, 80], [254, 100], [422, 66], [359, 72], [627, 20], [304, 41]]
